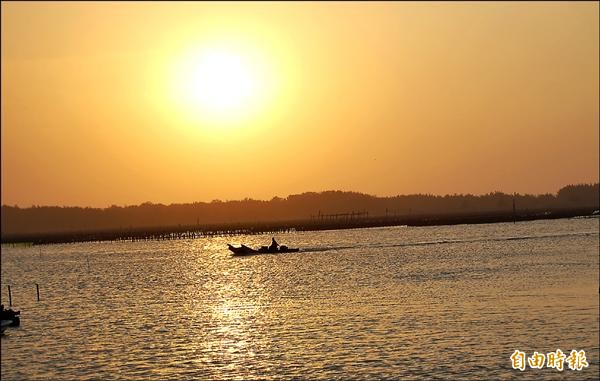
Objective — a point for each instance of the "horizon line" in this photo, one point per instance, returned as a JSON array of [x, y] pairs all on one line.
[[294, 194]]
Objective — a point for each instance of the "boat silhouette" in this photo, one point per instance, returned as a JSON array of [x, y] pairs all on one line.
[[245, 250]]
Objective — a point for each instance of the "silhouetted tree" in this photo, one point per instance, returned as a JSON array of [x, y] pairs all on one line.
[[47, 219]]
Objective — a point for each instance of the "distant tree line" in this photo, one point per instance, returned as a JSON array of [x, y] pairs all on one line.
[[53, 219]]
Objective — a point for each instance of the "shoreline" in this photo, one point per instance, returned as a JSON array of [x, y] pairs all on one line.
[[274, 227]]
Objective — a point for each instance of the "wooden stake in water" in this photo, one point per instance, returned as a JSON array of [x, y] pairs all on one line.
[[88, 262], [9, 296], [37, 288], [514, 210]]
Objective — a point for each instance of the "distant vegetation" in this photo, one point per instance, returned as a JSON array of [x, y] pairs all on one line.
[[303, 206]]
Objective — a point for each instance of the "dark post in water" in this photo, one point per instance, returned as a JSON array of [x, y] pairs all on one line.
[[9, 296], [37, 288], [514, 210]]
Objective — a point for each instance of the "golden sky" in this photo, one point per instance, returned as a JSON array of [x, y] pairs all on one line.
[[120, 103]]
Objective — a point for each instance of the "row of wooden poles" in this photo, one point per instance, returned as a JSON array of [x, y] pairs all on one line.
[[191, 232], [37, 290], [320, 222]]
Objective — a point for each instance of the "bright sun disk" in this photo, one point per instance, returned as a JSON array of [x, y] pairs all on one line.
[[221, 81], [219, 86]]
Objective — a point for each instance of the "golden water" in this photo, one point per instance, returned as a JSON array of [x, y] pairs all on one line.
[[416, 303]]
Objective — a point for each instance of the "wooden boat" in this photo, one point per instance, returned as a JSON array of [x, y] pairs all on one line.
[[245, 250], [4, 324], [11, 316]]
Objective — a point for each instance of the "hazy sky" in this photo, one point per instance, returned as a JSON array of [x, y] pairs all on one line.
[[121, 103]]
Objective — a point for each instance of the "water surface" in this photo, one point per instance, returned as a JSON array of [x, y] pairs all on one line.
[[414, 303]]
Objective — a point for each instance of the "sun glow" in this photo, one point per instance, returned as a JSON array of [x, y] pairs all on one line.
[[221, 81], [220, 86]]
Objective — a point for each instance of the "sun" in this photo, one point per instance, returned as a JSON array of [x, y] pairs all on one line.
[[221, 81], [219, 86]]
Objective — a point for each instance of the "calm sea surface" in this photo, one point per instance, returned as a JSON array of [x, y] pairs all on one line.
[[451, 302]]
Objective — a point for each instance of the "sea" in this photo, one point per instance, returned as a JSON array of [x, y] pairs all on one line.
[[416, 303]]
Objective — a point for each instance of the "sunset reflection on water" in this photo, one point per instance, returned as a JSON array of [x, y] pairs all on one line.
[[441, 302]]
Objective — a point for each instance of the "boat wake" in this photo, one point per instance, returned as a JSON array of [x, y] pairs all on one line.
[[448, 241]]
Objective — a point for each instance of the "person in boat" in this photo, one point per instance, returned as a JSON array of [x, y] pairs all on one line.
[[274, 245]]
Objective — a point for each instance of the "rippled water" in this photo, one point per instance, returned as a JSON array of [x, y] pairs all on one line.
[[415, 303]]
